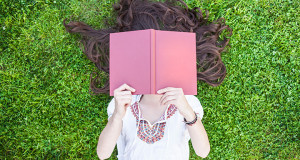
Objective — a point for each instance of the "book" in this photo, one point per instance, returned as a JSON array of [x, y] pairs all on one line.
[[149, 60]]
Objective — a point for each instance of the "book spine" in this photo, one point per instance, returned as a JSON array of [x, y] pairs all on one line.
[[152, 63]]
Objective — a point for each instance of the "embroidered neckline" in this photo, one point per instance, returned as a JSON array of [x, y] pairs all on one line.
[[147, 132], [161, 118], [171, 109]]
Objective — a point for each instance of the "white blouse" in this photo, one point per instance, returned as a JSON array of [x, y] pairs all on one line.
[[167, 138]]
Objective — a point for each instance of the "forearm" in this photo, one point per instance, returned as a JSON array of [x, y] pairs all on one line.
[[198, 135], [109, 136]]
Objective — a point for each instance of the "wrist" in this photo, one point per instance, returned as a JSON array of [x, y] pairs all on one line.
[[189, 114], [190, 117], [190, 123]]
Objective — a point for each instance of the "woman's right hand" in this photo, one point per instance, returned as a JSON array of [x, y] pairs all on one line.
[[123, 99]]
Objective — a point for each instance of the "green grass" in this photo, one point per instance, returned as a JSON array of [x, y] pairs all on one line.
[[47, 113]]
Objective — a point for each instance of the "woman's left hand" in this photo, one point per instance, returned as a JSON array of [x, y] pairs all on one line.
[[176, 96]]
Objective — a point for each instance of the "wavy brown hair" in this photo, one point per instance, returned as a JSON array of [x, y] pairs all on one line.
[[143, 14]]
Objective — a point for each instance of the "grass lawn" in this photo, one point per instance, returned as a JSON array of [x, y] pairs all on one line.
[[46, 110]]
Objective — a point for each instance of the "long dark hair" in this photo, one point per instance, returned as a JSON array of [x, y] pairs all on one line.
[[143, 14]]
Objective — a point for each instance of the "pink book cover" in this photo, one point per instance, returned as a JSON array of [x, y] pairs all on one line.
[[149, 60]]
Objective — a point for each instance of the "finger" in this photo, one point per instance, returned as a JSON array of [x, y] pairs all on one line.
[[165, 95], [168, 100], [127, 97], [129, 88], [125, 86], [128, 100], [123, 93], [166, 90]]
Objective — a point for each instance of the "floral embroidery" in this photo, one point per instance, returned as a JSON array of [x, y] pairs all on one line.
[[154, 133], [151, 135], [171, 111], [135, 110]]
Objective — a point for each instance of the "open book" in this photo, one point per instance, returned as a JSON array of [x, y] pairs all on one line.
[[149, 60]]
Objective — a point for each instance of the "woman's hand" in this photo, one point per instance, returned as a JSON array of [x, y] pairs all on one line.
[[197, 132], [109, 136], [176, 96], [123, 99]]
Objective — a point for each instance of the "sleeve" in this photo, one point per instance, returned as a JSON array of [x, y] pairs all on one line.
[[111, 108], [121, 138], [197, 107], [121, 146]]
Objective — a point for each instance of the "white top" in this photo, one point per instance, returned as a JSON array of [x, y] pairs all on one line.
[[165, 139]]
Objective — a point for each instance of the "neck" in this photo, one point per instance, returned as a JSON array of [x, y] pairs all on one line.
[[151, 98]]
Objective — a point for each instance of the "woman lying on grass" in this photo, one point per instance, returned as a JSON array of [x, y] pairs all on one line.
[[155, 126]]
